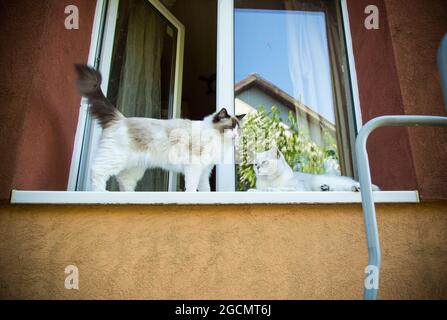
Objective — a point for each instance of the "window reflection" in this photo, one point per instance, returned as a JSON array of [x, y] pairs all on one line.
[[288, 56]]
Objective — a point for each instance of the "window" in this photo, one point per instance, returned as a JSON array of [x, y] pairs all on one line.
[[142, 73], [139, 51], [289, 60], [291, 69]]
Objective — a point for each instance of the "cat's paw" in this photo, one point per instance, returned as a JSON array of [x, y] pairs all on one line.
[[325, 188], [356, 188]]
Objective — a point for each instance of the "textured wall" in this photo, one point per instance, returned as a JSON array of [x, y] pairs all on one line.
[[417, 28], [258, 252], [16, 65], [39, 111], [392, 166]]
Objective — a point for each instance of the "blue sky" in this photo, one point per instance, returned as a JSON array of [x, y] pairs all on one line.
[[262, 45]]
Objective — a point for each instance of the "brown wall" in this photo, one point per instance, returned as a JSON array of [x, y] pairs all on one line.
[[389, 149], [218, 252], [417, 28], [39, 111], [397, 73]]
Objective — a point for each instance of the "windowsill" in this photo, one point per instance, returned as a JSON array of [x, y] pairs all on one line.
[[218, 198]]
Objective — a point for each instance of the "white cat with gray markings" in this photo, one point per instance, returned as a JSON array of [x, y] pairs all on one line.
[[273, 174], [130, 146]]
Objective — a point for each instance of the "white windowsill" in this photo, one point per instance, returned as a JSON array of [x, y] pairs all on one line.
[[227, 198]]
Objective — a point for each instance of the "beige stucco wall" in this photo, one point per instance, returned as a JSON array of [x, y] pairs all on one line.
[[227, 252]]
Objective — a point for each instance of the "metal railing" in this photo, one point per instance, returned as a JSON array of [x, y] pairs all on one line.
[[369, 210]]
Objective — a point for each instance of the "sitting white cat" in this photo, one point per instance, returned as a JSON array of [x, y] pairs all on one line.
[[274, 174]]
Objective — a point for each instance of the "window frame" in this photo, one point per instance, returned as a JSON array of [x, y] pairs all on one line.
[[351, 118], [225, 173], [225, 97]]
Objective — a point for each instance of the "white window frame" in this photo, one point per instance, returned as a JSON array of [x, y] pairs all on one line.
[[226, 175], [352, 67]]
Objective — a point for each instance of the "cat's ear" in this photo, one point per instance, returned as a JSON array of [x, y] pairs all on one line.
[[222, 114], [276, 152], [241, 116], [252, 155]]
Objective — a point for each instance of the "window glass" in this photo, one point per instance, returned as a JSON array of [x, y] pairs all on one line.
[[289, 80]]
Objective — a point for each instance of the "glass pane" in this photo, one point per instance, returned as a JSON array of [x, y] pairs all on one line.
[[285, 82], [142, 72]]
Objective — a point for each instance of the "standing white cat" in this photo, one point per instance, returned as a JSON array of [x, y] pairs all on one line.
[[129, 146], [274, 174]]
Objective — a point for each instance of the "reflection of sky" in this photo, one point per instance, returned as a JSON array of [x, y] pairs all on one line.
[[262, 47]]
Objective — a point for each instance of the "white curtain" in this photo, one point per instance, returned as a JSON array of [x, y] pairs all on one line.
[[139, 89], [316, 55], [309, 65]]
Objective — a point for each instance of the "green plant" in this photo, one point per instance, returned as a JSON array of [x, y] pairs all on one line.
[[263, 130]]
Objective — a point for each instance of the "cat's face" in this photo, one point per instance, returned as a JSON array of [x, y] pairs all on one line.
[[269, 163], [224, 122]]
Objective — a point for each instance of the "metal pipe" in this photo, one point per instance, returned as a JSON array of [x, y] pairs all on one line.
[[442, 64], [369, 211]]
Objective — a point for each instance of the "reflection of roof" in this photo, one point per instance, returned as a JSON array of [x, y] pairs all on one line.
[[255, 80]]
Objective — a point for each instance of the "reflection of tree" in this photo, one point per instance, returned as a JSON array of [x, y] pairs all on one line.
[[262, 130]]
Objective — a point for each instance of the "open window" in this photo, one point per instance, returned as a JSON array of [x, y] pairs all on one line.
[[139, 51], [283, 60], [139, 47]]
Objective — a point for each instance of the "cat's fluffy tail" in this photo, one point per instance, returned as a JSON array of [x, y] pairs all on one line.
[[89, 86]]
